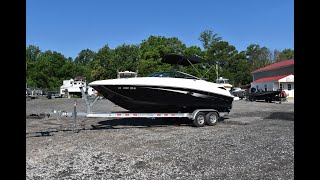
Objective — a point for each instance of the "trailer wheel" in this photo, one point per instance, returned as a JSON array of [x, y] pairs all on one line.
[[199, 120], [212, 118]]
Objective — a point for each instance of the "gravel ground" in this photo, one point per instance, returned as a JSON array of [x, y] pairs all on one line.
[[255, 141]]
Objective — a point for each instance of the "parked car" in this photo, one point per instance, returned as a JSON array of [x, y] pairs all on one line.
[[238, 92], [51, 95], [235, 89]]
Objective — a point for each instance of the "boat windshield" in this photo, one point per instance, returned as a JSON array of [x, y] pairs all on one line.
[[223, 81], [173, 74]]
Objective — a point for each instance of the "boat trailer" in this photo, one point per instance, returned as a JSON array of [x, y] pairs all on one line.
[[200, 117], [267, 96]]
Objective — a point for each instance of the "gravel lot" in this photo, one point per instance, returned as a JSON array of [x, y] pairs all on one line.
[[256, 141]]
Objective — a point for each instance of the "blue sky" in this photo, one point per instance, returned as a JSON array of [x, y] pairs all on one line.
[[69, 26]]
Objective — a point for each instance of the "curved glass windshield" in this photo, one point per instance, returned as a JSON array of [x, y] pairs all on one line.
[[173, 74], [224, 82]]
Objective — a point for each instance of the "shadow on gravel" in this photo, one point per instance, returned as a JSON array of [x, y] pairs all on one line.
[[288, 116], [47, 133], [122, 123], [143, 122]]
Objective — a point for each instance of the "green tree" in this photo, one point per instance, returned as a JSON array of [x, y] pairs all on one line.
[[286, 54], [276, 55], [84, 57], [32, 54], [50, 71], [193, 51], [103, 65], [258, 56], [208, 37], [220, 52], [108, 61], [239, 69], [153, 51], [82, 64], [126, 57]]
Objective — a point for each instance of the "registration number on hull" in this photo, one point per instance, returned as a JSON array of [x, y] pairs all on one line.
[[126, 88]]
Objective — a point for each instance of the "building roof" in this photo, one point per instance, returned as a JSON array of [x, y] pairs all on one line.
[[276, 65], [273, 78]]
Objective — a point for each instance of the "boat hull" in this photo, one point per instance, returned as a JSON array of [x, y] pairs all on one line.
[[163, 99], [264, 95]]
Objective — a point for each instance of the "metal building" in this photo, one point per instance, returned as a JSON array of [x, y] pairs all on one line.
[[275, 76]]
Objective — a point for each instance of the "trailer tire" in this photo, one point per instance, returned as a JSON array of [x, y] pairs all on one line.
[[199, 120], [212, 118]]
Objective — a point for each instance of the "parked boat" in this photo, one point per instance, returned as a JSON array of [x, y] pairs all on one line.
[[166, 91]]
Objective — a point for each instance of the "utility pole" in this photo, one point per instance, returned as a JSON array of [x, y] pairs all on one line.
[[217, 72], [26, 73]]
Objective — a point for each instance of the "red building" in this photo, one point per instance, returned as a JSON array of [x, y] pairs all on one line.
[[275, 76]]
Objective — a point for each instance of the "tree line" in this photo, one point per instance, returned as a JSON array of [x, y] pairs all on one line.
[[48, 69]]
